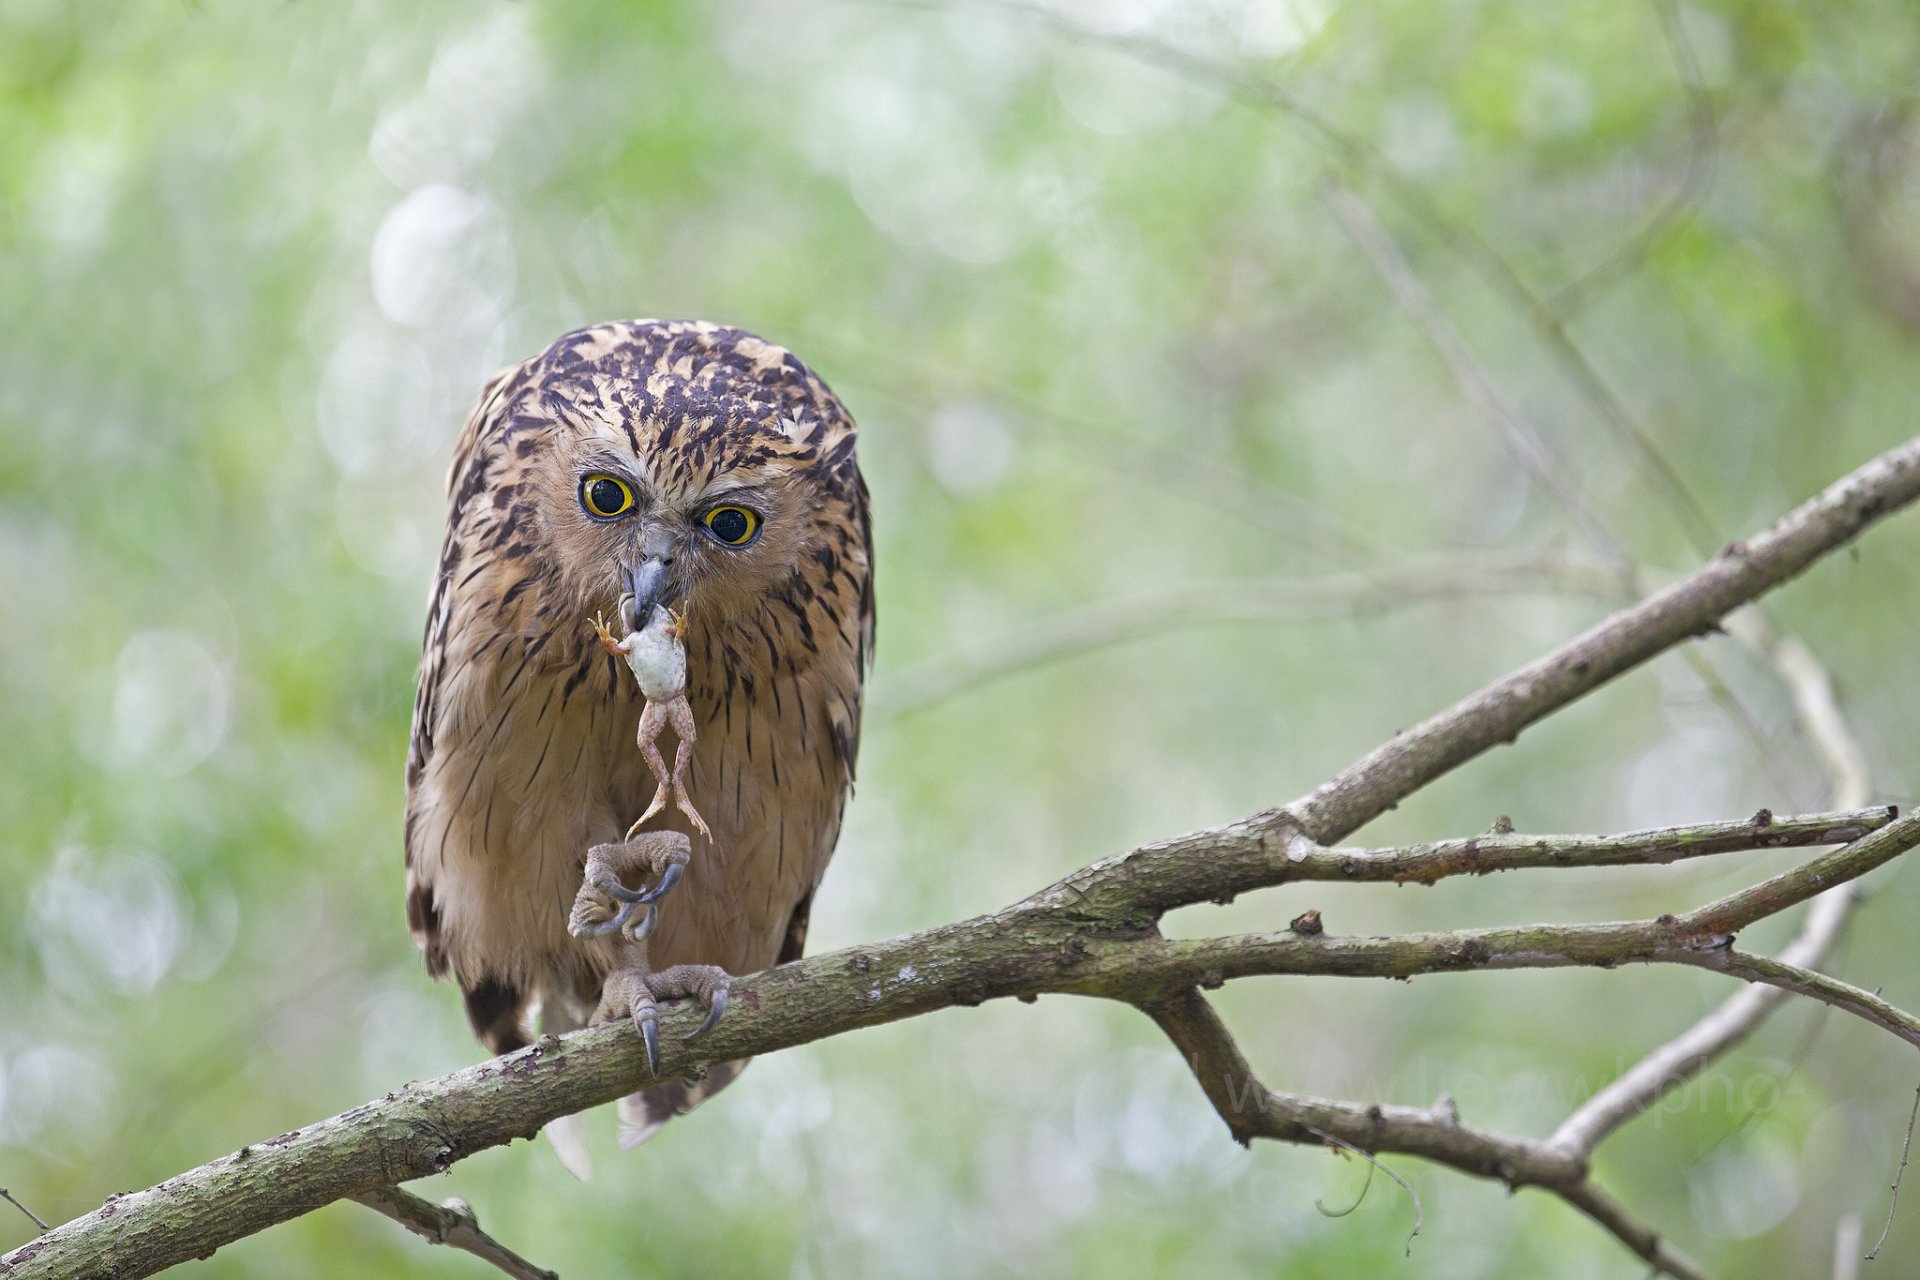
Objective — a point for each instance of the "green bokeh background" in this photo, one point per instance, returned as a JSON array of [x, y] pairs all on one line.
[[1105, 342]]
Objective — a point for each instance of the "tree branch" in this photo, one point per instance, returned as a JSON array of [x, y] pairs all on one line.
[[1252, 1110], [1092, 933], [1510, 851], [1693, 606], [452, 1223]]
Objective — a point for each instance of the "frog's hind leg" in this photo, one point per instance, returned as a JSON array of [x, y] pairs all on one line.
[[680, 715], [652, 720]]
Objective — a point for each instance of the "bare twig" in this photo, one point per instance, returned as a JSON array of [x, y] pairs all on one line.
[[1740, 573], [1589, 1199], [452, 1223], [1419, 1213], [1251, 1110], [1255, 852], [1818, 713], [1508, 851], [1724, 1027], [1086, 630], [8, 1197], [1893, 1201], [1678, 208], [1527, 446]]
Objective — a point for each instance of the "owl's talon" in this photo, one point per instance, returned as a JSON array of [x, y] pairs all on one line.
[[648, 1020], [630, 991], [707, 983], [619, 920], [717, 1006], [661, 853], [668, 879]]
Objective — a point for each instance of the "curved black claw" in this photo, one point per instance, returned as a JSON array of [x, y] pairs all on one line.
[[650, 1032], [718, 1007], [632, 900], [668, 878], [620, 917]]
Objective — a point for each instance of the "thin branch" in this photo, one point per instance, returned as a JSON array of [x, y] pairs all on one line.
[[1725, 1026], [1692, 606], [1906, 1148], [1815, 707], [1678, 208], [1736, 911], [453, 1224], [8, 1197], [1589, 1199], [1252, 1110], [1508, 851], [1736, 1018], [1212, 961], [1527, 446], [1224, 862], [1113, 622]]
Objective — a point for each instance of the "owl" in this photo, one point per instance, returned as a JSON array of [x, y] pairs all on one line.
[[671, 463]]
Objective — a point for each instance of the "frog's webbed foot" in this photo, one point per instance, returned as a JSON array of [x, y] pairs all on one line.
[[631, 991], [605, 903]]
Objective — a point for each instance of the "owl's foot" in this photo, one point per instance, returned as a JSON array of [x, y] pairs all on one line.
[[630, 991], [605, 904]]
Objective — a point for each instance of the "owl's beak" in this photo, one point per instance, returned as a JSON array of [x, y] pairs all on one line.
[[649, 583]]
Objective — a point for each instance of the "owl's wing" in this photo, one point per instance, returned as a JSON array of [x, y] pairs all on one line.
[[466, 477]]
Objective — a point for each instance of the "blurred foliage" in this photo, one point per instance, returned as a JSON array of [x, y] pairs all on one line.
[[1105, 342]]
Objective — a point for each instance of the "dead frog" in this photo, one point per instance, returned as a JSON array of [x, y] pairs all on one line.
[[658, 658]]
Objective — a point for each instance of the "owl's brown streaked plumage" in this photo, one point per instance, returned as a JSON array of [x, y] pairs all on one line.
[[523, 754]]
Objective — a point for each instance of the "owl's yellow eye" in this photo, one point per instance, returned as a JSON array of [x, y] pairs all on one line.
[[735, 526], [605, 497]]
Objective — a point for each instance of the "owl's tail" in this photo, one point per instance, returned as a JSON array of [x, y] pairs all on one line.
[[643, 1113]]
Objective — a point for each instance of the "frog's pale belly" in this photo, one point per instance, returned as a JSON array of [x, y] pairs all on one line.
[[658, 659]]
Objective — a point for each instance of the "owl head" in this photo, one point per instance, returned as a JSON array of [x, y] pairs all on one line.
[[678, 462]]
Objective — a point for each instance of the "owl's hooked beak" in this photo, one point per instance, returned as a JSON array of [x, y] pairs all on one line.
[[651, 581]]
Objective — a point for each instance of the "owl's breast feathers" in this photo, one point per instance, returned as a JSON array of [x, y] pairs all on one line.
[[523, 752]]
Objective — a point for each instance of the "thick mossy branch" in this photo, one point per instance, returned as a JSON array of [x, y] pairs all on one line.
[[1095, 933]]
